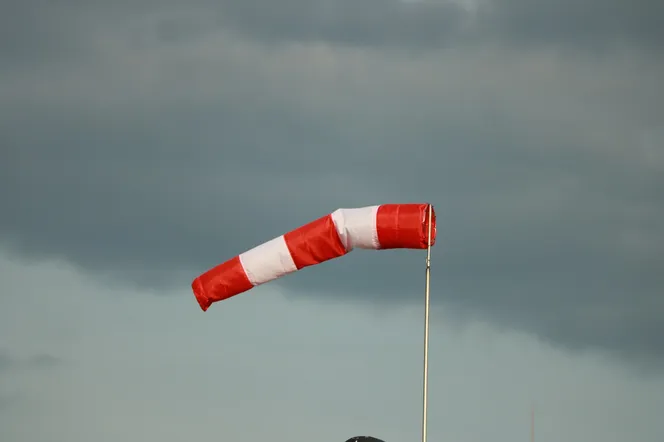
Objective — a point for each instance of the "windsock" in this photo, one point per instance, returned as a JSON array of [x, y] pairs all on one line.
[[379, 227]]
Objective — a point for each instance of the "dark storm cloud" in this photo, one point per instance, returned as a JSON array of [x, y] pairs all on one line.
[[597, 24], [44, 28], [363, 22], [419, 24], [547, 222]]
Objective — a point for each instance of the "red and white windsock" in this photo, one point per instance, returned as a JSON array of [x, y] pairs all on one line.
[[387, 226]]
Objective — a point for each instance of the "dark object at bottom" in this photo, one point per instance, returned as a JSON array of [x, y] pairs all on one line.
[[364, 439]]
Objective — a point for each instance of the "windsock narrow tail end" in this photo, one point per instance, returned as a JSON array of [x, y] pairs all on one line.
[[199, 293]]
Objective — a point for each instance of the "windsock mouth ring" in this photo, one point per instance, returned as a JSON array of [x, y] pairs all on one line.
[[405, 226], [425, 225]]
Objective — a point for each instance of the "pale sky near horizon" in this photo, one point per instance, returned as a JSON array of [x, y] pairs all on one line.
[[141, 366], [143, 143]]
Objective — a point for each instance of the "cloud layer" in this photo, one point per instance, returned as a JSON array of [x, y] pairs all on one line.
[[8, 362], [150, 141], [137, 366]]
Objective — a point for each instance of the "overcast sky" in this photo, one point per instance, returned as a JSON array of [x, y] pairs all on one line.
[[143, 142]]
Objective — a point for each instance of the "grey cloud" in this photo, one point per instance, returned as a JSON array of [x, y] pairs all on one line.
[[353, 22], [594, 24], [52, 27], [39, 30], [39, 361], [591, 24], [42, 361], [5, 362], [11, 368], [152, 162], [7, 401]]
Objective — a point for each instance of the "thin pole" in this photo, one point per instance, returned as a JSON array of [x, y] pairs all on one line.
[[532, 423], [425, 386]]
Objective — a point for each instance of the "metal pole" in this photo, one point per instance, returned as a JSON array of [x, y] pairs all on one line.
[[425, 386]]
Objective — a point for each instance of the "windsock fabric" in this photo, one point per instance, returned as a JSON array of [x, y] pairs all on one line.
[[387, 226]]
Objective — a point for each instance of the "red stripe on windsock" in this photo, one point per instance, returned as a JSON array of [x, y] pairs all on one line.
[[405, 226], [221, 282], [314, 242]]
